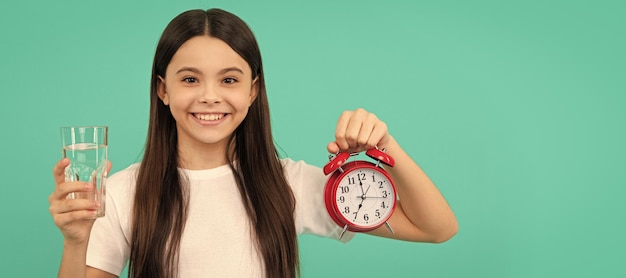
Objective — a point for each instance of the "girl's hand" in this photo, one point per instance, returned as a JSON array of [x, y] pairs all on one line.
[[74, 217], [357, 131]]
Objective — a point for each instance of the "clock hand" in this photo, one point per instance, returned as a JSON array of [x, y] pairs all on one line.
[[357, 210], [362, 199], [361, 185], [360, 205], [364, 193]]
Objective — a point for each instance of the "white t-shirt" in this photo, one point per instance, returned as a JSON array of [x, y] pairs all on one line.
[[216, 241]]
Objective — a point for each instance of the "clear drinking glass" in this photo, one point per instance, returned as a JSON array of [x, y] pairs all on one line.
[[87, 149]]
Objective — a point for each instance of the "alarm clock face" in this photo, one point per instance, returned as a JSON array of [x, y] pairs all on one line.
[[364, 197]]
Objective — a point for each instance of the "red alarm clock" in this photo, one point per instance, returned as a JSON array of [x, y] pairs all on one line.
[[360, 195]]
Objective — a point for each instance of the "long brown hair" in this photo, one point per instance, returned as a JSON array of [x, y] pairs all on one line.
[[161, 198]]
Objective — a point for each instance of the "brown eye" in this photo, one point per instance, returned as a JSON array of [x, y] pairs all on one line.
[[190, 80], [229, 80]]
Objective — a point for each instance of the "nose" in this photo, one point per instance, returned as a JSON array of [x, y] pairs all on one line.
[[210, 94]]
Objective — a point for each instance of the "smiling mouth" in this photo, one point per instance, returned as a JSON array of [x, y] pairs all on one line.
[[208, 117]]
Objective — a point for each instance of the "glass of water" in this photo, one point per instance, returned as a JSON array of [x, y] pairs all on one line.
[[87, 148]]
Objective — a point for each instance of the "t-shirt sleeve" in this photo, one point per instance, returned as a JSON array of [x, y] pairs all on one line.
[[109, 243], [307, 183]]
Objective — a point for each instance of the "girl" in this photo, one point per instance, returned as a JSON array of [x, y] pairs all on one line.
[[211, 198]]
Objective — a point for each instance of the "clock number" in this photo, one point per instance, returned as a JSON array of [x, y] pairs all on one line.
[[350, 180], [360, 176], [374, 178], [384, 193], [366, 217], [346, 210], [383, 205], [380, 184], [342, 199], [344, 189], [377, 213]]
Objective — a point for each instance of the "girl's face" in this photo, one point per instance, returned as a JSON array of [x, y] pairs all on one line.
[[209, 89]]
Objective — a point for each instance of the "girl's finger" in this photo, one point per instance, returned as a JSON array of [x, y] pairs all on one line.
[[378, 137], [69, 205], [340, 131], [62, 189], [352, 133], [333, 147], [63, 219], [58, 171], [355, 127], [366, 130], [108, 167]]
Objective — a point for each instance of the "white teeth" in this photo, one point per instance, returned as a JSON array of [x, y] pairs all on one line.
[[209, 117]]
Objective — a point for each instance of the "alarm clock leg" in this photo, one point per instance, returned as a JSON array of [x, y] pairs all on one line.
[[389, 227], [345, 228]]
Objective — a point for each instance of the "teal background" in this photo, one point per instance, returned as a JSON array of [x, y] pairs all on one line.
[[516, 109]]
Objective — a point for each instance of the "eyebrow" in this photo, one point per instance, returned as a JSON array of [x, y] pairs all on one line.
[[197, 71]]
